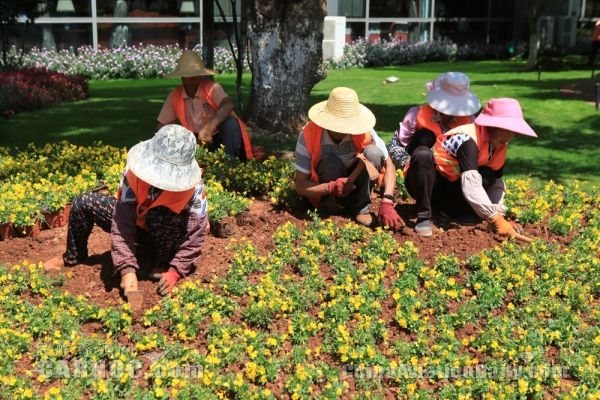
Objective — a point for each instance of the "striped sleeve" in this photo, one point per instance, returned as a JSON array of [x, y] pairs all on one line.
[[302, 158]]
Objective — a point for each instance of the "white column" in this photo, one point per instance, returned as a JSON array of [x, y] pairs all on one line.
[[94, 26], [431, 21]]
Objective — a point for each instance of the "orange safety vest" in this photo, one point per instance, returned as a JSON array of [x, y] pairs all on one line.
[[174, 201], [447, 164], [205, 86], [426, 120], [312, 139]]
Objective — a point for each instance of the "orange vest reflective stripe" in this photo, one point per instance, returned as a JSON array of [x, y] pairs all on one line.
[[448, 165], [179, 108], [312, 139], [174, 201], [426, 120]]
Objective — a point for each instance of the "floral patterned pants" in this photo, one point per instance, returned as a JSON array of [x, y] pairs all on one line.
[[166, 230]]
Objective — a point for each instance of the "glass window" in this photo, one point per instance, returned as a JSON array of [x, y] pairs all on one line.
[[405, 32], [463, 8], [354, 31], [399, 8], [592, 9], [148, 8], [227, 9], [182, 35], [56, 36], [351, 8], [463, 30], [503, 9], [68, 8]]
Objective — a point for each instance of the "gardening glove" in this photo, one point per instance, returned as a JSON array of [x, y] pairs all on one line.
[[505, 229], [340, 187], [167, 281], [389, 217]]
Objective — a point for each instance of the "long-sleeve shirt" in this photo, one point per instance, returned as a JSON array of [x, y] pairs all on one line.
[[124, 231]]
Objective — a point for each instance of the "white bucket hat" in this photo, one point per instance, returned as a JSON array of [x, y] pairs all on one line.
[[342, 113], [167, 161], [189, 64], [450, 95]]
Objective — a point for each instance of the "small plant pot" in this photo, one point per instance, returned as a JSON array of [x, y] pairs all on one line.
[[32, 231], [67, 212], [225, 227], [54, 219], [6, 231]]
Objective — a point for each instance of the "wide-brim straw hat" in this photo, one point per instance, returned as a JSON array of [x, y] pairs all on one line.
[[505, 113], [189, 64], [450, 94], [167, 161], [342, 113]]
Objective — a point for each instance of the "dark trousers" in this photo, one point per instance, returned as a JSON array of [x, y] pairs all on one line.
[[230, 136], [593, 51], [166, 230], [359, 200], [432, 191]]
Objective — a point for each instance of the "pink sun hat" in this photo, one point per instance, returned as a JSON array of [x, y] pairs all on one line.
[[505, 113]]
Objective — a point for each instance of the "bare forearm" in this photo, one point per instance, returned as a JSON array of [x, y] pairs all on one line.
[[389, 177]]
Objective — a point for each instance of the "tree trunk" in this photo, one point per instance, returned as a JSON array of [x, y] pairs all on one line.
[[285, 38], [534, 12]]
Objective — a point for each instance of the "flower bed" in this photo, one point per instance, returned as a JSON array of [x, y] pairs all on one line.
[[133, 62], [35, 88], [326, 311]]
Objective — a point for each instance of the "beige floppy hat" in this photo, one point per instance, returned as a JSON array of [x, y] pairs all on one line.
[[189, 64], [342, 113]]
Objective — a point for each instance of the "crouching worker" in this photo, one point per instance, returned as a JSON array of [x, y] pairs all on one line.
[[161, 196], [339, 158], [469, 162]]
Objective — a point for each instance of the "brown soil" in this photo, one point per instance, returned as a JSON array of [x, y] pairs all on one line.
[[95, 279]]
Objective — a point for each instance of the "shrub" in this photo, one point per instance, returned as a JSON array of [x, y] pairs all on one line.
[[35, 88], [363, 53], [133, 62]]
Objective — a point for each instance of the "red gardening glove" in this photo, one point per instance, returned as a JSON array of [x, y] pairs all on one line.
[[340, 187], [389, 217], [167, 281]]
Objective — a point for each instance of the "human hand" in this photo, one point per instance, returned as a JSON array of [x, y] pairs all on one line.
[[340, 187], [389, 217], [167, 281], [205, 135], [505, 229]]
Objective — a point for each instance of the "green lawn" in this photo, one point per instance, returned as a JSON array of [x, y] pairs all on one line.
[[124, 112]]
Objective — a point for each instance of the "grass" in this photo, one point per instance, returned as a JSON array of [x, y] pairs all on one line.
[[123, 112]]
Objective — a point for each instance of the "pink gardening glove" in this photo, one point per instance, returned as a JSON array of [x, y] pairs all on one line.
[[389, 217], [167, 281]]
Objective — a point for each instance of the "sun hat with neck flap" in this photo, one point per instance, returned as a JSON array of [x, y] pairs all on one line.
[[450, 94], [167, 161], [189, 65], [505, 113], [342, 113]]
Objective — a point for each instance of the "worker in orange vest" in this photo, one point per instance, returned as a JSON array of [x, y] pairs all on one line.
[[595, 44], [202, 106], [450, 103], [468, 163], [339, 158], [161, 199]]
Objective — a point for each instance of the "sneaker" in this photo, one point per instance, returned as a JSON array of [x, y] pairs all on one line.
[[424, 228], [364, 219]]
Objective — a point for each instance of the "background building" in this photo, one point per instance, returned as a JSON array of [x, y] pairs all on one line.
[[113, 23]]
